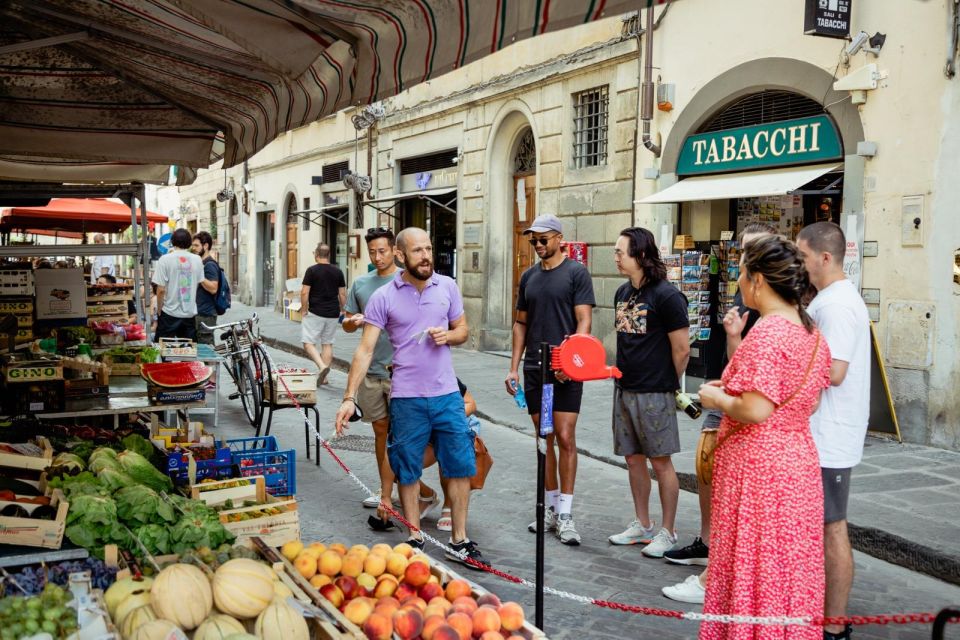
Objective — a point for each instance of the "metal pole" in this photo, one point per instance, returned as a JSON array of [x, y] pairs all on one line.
[[143, 311], [546, 428]]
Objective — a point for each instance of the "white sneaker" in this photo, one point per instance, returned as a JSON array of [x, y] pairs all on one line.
[[374, 501], [690, 590], [549, 521], [635, 534], [567, 531], [662, 542]]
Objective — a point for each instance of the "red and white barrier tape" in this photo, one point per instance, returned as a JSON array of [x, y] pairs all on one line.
[[778, 621]]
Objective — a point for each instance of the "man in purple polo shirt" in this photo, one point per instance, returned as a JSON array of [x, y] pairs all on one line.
[[422, 313]]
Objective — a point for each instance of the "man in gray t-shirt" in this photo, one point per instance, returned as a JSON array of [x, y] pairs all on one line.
[[177, 276], [373, 396]]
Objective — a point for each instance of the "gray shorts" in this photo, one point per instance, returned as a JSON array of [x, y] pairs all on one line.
[[317, 330], [645, 424], [836, 491]]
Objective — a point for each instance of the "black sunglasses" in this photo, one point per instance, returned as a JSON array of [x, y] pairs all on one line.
[[373, 230], [541, 241]]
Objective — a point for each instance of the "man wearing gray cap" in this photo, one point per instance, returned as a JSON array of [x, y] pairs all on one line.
[[555, 300]]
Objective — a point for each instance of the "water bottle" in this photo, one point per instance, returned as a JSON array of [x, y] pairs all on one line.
[[518, 395], [688, 406]]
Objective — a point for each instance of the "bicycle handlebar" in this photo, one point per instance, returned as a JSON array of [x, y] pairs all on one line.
[[253, 320]]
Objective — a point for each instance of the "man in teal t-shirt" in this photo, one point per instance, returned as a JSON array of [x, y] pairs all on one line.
[[373, 396]]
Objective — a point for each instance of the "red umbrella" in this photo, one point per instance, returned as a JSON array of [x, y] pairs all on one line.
[[82, 215]]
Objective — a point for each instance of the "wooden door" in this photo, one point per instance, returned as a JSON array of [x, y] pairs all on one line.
[[292, 254], [235, 252], [523, 253]]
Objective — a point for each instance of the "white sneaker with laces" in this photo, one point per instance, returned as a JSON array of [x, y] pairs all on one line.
[[373, 501], [690, 590], [662, 542], [635, 533], [567, 531], [549, 521]]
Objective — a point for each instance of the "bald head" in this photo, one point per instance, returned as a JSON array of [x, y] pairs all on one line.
[[411, 236], [415, 251], [99, 239]]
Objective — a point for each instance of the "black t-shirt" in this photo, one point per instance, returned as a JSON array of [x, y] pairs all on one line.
[[325, 281], [549, 297], [205, 299], [643, 318]]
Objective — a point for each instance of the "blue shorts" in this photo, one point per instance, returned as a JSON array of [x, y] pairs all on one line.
[[441, 422]]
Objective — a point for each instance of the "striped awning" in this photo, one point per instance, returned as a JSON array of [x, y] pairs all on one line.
[[106, 85]]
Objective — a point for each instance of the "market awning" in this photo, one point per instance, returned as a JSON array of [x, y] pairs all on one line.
[[749, 184], [434, 196], [90, 215], [161, 82]]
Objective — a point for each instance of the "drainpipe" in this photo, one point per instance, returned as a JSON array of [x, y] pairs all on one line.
[[646, 87], [951, 67]]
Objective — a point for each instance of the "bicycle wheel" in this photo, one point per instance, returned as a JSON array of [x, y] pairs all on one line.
[[262, 366], [249, 391]]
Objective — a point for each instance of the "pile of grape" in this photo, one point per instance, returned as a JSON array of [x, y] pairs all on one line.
[[34, 578], [22, 617]]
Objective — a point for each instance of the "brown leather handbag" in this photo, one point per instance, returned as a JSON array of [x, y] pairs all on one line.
[[484, 463]]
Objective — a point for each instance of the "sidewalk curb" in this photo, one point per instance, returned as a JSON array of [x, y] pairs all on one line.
[[870, 540]]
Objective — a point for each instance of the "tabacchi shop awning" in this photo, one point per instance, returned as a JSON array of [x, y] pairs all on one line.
[[90, 215], [749, 184]]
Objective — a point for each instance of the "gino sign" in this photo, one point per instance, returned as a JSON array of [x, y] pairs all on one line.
[[788, 142]]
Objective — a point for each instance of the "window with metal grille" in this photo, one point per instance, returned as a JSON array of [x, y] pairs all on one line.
[[306, 216], [763, 108], [590, 127], [432, 162], [334, 172]]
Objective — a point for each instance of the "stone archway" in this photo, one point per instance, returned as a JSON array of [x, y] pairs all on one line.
[[512, 121]]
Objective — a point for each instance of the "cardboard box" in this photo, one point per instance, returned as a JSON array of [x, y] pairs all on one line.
[[16, 282], [61, 293]]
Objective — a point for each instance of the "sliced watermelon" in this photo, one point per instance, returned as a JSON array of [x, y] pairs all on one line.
[[176, 374]]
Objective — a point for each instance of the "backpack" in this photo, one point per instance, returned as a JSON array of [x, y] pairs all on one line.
[[222, 300]]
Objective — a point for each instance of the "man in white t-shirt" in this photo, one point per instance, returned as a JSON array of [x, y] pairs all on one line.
[[177, 276], [839, 425], [102, 265]]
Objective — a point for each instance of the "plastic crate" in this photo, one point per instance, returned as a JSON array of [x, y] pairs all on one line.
[[217, 468], [262, 457]]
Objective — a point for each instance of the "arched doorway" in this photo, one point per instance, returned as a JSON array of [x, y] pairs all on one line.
[[291, 237], [524, 206]]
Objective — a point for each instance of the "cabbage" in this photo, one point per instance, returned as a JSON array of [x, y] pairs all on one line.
[[140, 469], [114, 479]]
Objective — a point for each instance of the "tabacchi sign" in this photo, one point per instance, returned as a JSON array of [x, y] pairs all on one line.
[[789, 142], [830, 18]]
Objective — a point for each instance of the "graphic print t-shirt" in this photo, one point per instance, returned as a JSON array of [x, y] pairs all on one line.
[[180, 273], [643, 319]]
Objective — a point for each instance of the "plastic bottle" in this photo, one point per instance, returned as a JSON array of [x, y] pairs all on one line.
[[518, 395]]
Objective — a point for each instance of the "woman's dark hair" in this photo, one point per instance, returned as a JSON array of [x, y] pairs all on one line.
[[205, 239], [181, 239], [779, 261], [643, 248]]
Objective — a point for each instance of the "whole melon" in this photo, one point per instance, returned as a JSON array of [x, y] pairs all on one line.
[[218, 627], [243, 588], [159, 630], [181, 593], [280, 621], [120, 589], [130, 604], [281, 590], [136, 619]]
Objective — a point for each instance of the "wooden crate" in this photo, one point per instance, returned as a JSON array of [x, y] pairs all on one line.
[[303, 386], [36, 533], [106, 309], [17, 368], [273, 530], [177, 348], [216, 493], [17, 307], [37, 463]]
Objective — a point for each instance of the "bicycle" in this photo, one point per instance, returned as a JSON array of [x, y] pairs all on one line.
[[248, 363]]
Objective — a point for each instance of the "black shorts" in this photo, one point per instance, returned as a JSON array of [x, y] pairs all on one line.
[[171, 327], [566, 395], [836, 492]]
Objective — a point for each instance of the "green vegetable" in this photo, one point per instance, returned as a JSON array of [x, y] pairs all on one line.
[[155, 537], [68, 459], [139, 444], [101, 463], [150, 354], [83, 450], [140, 505], [114, 479], [140, 469]]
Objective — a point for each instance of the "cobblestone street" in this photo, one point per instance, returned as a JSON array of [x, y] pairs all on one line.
[[331, 511]]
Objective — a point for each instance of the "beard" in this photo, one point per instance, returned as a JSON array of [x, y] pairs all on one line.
[[422, 271], [548, 252]]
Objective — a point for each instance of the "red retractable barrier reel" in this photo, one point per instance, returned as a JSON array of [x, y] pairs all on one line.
[[581, 357]]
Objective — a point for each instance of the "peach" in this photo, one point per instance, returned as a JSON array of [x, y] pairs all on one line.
[[352, 565], [430, 591], [306, 565], [360, 549], [404, 549], [484, 620], [375, 565], [367, 581], [348, 585], [433, 579], [387, 606], [319, 580], [404, 591], [339, 547], [397, 564], [417, 574], [415, 601], [511, 616], [430, 626], [434, 610], [465, 604], [462, 623], [490, 599], [407, 623], [381, 549], [491, 635], [446, 632], [330, 563], [317, 547], [443, 603], [420, 557], [332, 593], [290, 550], [385, 588], [358, 610], [456, 589], [378, 627]]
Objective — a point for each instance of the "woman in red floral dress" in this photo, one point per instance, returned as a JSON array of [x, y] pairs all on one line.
[[766, 552]]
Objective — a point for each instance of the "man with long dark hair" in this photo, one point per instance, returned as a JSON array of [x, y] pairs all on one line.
[[653, 347]]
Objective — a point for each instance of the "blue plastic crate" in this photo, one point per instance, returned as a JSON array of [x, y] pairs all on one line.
[[217, 468], [262, 457]]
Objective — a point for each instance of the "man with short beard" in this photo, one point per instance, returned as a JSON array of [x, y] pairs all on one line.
[[422, 312]]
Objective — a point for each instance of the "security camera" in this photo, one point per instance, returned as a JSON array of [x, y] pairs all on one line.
[[224, 195], [862, 39], [248, 188], [857, 43], [455, 159]]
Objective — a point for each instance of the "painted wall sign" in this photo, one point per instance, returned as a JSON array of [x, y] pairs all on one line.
[[764, 146], [829, 18]]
